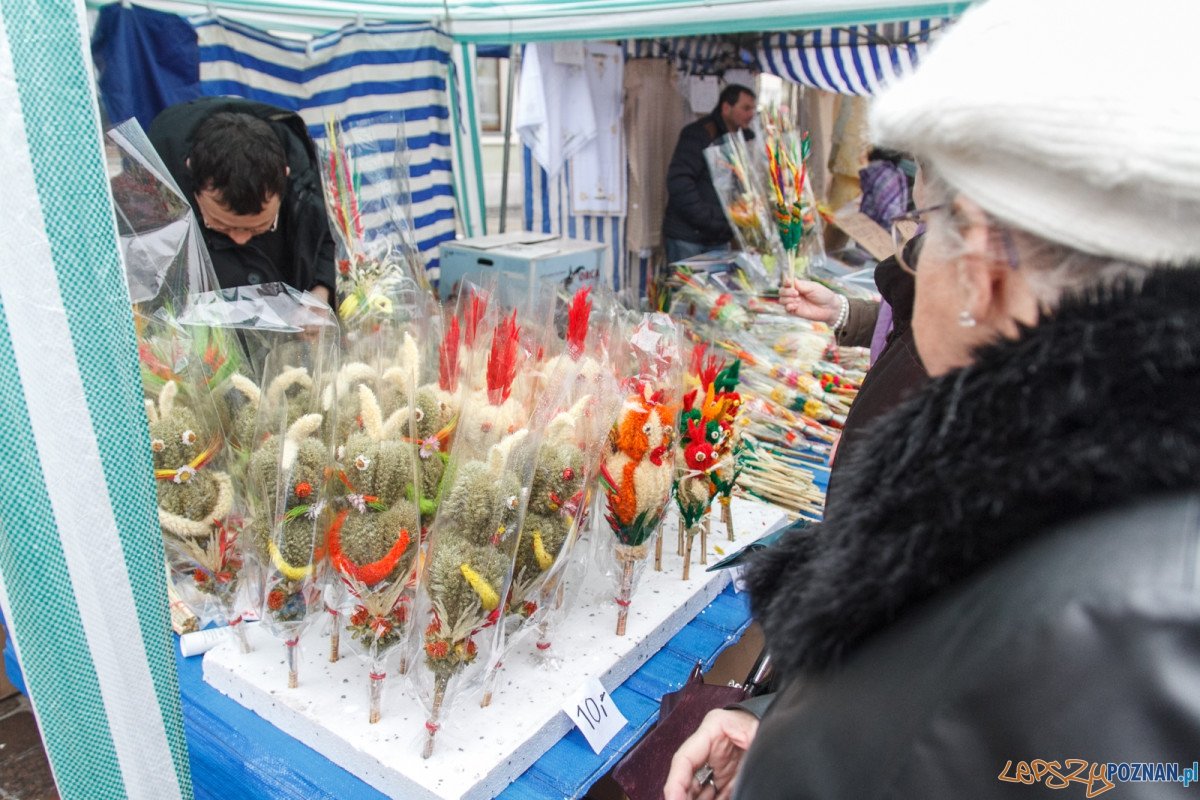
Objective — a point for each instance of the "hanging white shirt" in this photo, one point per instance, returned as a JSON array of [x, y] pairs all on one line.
[[598, 169], [554, 108]]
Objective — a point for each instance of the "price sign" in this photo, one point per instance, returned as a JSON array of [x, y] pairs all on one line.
[[593, 711], [738, 577]]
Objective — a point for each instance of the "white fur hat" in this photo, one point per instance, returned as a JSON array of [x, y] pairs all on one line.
[[1076, 120]]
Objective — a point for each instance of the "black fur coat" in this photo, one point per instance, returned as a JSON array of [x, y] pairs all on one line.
[[1093, 408], [1012, 573]]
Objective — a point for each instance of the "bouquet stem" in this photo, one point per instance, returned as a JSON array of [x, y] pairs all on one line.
[[431, 724], [681, 535], [236, 626], [335, 636], [239, 633], [704, 538], [727, 516], [490, 687], [623, 596], [687, 553], [377, 679], [658, 554], [293, 662]]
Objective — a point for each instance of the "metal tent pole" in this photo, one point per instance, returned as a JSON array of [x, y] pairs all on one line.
[[514, 65]]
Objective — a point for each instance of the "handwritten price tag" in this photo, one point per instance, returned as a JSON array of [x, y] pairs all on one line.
[[593, 711], [738, 577]]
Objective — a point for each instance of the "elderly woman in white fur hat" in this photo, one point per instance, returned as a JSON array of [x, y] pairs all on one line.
[[1011, 591]]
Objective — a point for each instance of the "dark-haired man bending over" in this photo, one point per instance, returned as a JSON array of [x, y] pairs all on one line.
[[250, 171]]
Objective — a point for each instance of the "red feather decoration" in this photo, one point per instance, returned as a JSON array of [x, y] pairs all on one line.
[[502, 361], [577, 322], [448, 358], [705, 369], [475, 312]]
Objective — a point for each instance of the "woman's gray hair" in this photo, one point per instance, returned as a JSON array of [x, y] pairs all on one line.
[[1051, 269]]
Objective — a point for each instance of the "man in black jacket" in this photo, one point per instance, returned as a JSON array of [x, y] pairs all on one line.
[[694, 221], [250, 172]]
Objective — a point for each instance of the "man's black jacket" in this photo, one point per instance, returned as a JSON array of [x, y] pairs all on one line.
[[693, 211]]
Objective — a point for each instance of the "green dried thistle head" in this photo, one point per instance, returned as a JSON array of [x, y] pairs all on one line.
[[392, 471], [263, 469], [557, 479], [192, 500], [298, 540], [544, 532], [171, 446], [299, 401], [309, 468], [370, 536], [175, 441], [263, 473], [508, 506], [258, 533], [349, 413], [428, 413], [469, 508], [447, 583], [432, 469]]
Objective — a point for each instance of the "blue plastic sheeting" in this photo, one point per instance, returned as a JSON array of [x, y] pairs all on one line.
[[570, 767], [236, 755], [12, 669]]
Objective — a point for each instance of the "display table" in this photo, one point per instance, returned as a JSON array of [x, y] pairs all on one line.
[[237, 754]]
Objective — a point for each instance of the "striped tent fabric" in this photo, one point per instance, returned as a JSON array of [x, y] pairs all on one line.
[[468, 157], [701, 55], [82, 584], [856, 60], [548, 210], [377, 78]]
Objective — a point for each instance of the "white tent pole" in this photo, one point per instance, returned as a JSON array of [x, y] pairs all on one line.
[[514, 65]]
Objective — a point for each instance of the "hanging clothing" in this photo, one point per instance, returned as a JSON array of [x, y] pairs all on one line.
[[554, 108], [655, 112], [598, 169]]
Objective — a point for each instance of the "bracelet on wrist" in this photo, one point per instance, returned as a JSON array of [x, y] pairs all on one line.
[[843, 315]]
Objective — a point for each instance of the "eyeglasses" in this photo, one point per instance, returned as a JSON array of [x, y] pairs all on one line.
[[230, 230], [235, 230], [905, 236], [907, 239]]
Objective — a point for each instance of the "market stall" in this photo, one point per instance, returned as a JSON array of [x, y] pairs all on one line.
[[87, 552]]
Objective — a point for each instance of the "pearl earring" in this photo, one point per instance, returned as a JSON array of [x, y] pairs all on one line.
[[965, 319]]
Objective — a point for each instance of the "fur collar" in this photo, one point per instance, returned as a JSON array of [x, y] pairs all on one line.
[[1090, 409]]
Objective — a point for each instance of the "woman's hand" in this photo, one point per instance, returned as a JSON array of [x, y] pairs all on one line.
[[811, 301], [720, 742]]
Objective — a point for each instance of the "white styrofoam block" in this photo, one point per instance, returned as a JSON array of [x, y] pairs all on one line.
[[479, 751]]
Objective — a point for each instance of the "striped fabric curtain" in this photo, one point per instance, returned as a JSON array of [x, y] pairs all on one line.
[[82, 584], [856, 60], [374, 77], [548, 210]]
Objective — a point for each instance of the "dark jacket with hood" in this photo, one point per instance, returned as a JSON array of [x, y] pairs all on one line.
[[300, 252], [1013, 574], [693, 210]]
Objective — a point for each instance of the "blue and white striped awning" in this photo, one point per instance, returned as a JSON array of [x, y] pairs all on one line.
[[857, 60], [376, 77]]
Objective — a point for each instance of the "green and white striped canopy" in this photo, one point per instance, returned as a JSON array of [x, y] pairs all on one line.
[[498, 22], [82, 582]]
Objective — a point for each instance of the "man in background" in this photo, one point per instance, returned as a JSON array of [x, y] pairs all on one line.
[[694, 221], [250, 172]]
